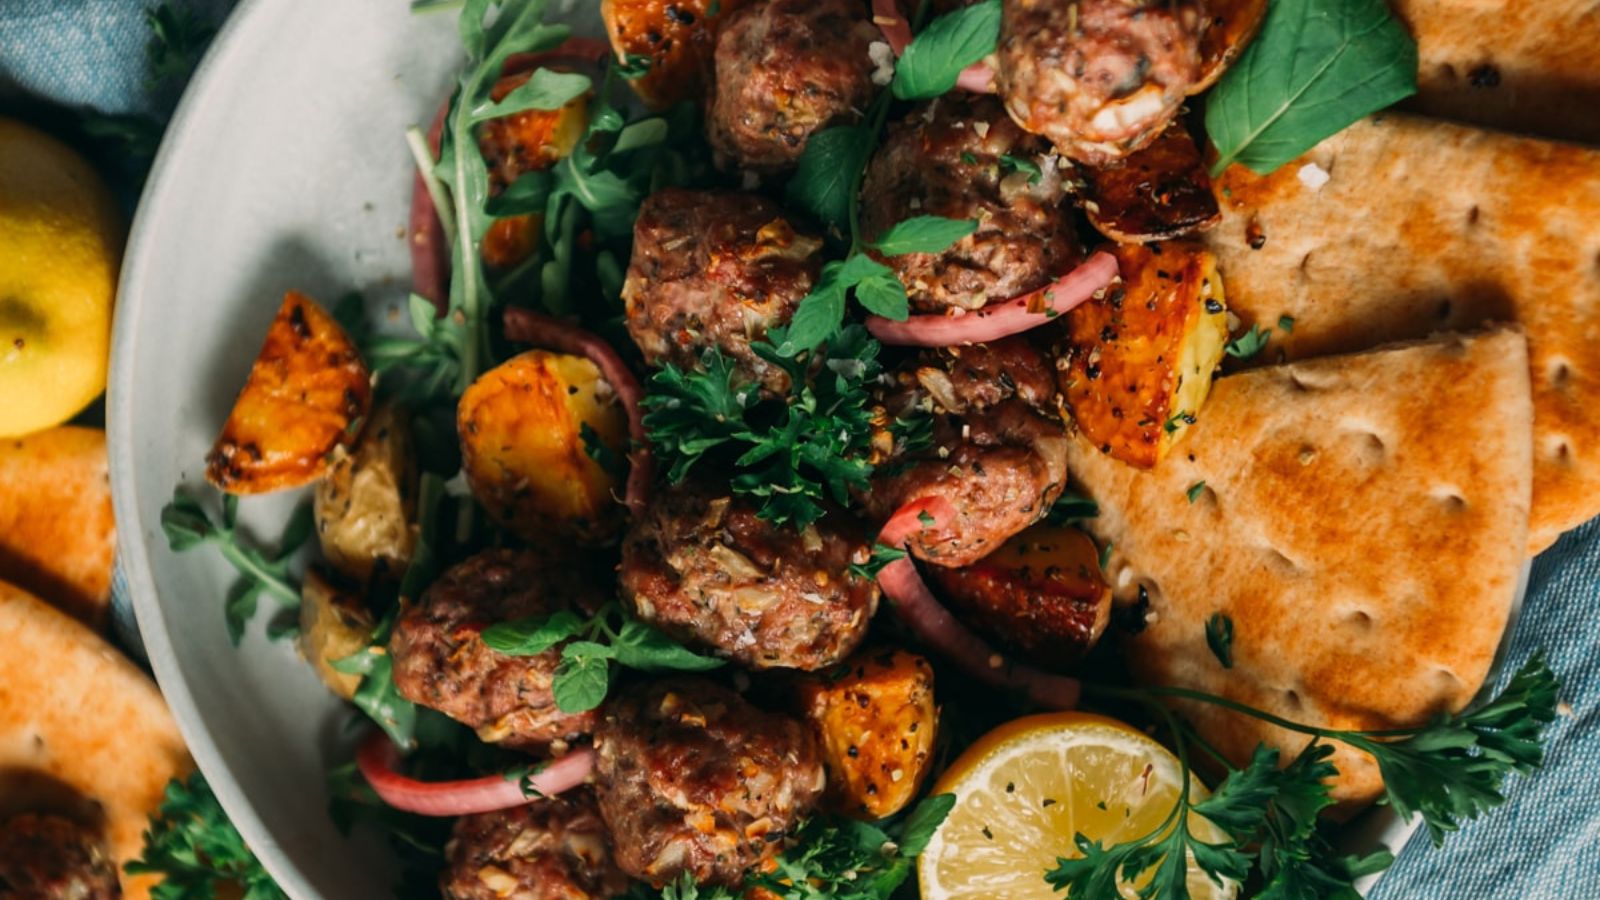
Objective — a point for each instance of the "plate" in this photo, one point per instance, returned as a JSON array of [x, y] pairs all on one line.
[[284, 167]]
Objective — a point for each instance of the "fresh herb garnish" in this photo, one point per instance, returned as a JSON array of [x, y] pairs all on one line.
[[187, 526], [1072, 507], [1286, 324], [583, 678], [934, 59], [923, 234], [1447, 771], [195, 849], [882, 555], [826, 179], [1248, 344], [1022, 164], [1178, 419], [1316, 67], [1219, 637], [1195, 490], [377, 695]]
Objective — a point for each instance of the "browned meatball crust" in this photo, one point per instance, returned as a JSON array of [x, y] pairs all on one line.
[[694, 779], [953, 159], [441, 661], [715, 269], [51, 858], [704, 568], [1099, 78], [999, 452], [784, 70], [555, 849]]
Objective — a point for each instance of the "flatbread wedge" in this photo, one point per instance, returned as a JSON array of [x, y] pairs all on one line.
[[83, 733], [1529, 66], [57, 535], [1361, 519], [1425, 226]]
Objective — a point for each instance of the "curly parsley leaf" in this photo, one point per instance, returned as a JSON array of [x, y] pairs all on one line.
[[195, 849], [1316, 67], [934, 59]]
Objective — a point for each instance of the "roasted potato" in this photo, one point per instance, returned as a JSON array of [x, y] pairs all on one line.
[[875, 720], [307, 392], [1155, 194], [524, 449], [1233, 24], [1042, 593], [1139, 360], [333, 625], [515, 145], [672, 40], [365, 506]]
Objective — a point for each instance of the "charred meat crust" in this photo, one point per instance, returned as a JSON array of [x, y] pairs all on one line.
[[555, 849]]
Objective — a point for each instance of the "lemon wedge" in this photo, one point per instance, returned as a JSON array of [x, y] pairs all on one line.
[[1024, 789]]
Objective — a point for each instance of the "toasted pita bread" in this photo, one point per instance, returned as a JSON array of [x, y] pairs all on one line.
[[1421, 227], [1362, 522], [57, 537], [78, 722], [1530, 66]]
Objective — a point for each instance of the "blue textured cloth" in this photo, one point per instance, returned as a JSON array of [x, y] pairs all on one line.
[[1545, 843]]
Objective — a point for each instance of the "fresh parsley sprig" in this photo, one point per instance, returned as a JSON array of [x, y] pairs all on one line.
[[195, 849], [187, 526], [583, 679], [1447, 772]]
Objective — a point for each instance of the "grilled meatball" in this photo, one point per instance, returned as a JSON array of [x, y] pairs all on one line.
[[556, 849], [999, 453], [715, 269], [50, 858], [786, 69], [694, 779], [962, 158], [1099, 78], [441, 661], [705, 569]]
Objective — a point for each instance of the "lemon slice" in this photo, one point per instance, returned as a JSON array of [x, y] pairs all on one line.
[[1024, 789]]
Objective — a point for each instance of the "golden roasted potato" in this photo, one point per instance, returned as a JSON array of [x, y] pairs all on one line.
[[515, 145], [1140, 359], [524, 450], [672, 39], [307, 391], [1233, 24], [333, 625], [365, 506], [875, 720], [1042, 592], [1155, 194]]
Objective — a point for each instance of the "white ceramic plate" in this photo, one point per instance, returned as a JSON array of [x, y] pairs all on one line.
[[284, 167]]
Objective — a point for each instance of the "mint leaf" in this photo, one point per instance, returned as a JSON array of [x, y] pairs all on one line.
[[584, 676], [920, 825], [934, 59], [923, 234], [1316, 67], [641, 646], [826, 175], [533, 635]]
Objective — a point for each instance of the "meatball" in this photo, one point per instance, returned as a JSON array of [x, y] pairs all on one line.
[[704, 568], [999, 452], [556, 849], [786, 69], [962, 158], [441, 661], [694, 779], [49, 858], [715, 269], [1099, 78]]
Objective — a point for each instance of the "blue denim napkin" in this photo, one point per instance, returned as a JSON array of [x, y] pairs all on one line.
[[1544, 843]]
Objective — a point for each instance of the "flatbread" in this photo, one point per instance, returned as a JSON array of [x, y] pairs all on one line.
[[1362, 522], [57, 536], [1530, 66], [1421, 227], [79, 722]]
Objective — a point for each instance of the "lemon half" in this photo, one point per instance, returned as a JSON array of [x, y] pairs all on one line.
[[1024, 790]]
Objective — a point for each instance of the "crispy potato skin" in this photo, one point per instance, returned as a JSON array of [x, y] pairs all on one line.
[[333, 625], [522, 448], [1155, 194], [678, 38], [307, 388], [875, 720], [1139, 361], [1232, 24], [364, 507], [1042, 592]]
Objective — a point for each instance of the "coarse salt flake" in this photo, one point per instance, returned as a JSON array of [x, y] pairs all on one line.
[[1313, 176], [883, 62]]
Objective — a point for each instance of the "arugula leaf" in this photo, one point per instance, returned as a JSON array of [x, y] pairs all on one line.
[[1248, 344], [934, 59], [823, 183], [1316, 67], [195, 849], [1219, 637], [545, 89], [923, 234]]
